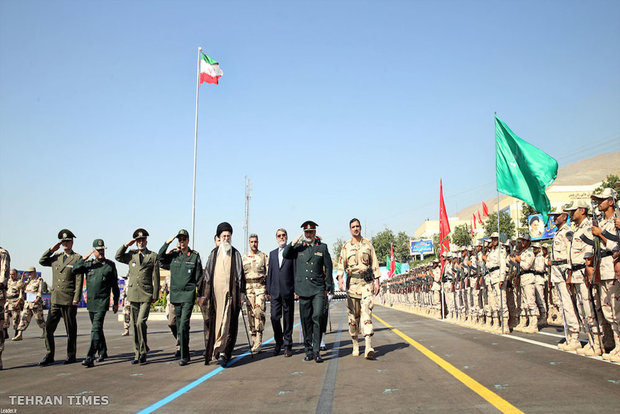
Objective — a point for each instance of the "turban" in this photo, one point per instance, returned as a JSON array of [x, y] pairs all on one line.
[[223, 227]]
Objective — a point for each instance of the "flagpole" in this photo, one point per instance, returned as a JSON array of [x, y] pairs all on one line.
[[195, 147], [501, 296]]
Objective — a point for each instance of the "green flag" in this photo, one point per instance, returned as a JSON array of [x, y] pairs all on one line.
[[397, 266], [523, 171]]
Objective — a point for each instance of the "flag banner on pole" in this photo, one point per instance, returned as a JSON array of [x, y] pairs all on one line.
[[210, 71], [471, 229], [523, 171], [444, 225], [479, 218], [485, 210], [473, 221]]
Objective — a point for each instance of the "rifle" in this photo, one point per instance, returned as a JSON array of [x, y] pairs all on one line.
[[595, 277], [245, 307]]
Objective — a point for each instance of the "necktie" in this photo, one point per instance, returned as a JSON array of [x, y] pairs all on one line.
[[141, 257], [64, 258]]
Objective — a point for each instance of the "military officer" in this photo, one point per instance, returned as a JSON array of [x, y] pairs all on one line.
[[185, 272], [66, 293], [359, 261], [14, 301], [101, 279], [5, 264], [496, 265], [142, 288], [539, 271], [255, 267], [436, 288], [126, 309], [313, 281], [529, 309], [33, 288]]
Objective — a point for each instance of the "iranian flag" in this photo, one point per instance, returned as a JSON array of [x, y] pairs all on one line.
[[210, 71]]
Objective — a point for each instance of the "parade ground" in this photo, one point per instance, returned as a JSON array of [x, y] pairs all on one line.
[[422, 365]]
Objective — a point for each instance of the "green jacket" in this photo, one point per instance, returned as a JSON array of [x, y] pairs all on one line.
[[313, 267], [101, 279], [143, 281], [185, 273], [66, 286]]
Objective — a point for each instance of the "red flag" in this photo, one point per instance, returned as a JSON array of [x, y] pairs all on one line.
[[392, 261], [471, 229], [479, 218], [473, 222], [444, 225], [485, 210]]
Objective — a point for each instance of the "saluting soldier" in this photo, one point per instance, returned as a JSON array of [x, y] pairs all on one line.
[[185, 272], [142, 288], [101, 279], [255, 267], [359, 261], [33, 306], [66, 292], [313, 281]]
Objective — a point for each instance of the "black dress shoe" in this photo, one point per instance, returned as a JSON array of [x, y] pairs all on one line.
[[183, 362], [47, 360], [177, 354], [309, 357], [222, 360], [288, 353], [102, 358], [135, 362], [142, 359], [318, 359], [88, 362], [70, 360], [323, 348], [277, 349]]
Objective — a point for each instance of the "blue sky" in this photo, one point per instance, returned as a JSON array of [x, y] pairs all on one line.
[[332, 109]]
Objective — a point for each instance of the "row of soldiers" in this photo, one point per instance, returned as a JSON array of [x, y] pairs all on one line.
[[523, 286], [24, 299]]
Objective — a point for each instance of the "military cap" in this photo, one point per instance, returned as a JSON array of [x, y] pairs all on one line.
[[525, 237], [536, 245], [494, 235], [31, 269], [140, 233], [183, 233], [99, 244], [575, 205], [606, 193], [555, 211], [65, 235], [309, 225]]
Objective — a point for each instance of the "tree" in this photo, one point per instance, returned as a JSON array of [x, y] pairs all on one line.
[[436, 246], [461, 235], [609, 182], [381, 242], [506, 225], [401, 247], [337, 248]]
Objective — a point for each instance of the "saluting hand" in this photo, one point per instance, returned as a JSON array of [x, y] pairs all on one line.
[[297, 239], [170, 239], [56, 246], [130, 242]]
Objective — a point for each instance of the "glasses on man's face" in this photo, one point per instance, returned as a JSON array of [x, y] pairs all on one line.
[[281, 235], [182, 239]]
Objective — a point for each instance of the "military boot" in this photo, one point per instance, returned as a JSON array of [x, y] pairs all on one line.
[[592, 348], [356, 347], [521, 325], [542, 321], [488, 325], [18, 336], [258, 339], [532, 327], [573, 343], [506, 326], [369, 352]]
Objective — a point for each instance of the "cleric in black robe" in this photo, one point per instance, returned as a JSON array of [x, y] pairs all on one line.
[[221, 290]]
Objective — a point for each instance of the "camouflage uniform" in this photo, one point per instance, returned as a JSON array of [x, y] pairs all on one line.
[[5, 264], [255, 269], [171, 316], [14, 303], [126, 312], [33, 304], [356, 259]]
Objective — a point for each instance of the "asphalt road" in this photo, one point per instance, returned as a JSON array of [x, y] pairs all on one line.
[[421, 365]]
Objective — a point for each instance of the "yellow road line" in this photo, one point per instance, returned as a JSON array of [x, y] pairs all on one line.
[[497, 401]]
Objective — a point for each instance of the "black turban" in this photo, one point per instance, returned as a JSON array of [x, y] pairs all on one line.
[[223, 227]]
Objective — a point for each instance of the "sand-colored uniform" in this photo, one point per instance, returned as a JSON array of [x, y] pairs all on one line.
[[34, 303], [356, 259], [496, 265], [559, 267], [539, 272], [528, 284], [5, 264], [255, 269], [609, 287], [14, 302]]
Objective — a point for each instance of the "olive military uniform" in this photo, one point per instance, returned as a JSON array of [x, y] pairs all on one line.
[[313, 277], [66, 289], [185, 272], [142, 289], [101, 279]]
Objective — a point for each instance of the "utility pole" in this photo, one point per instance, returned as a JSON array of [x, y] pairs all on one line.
[[246, 225]]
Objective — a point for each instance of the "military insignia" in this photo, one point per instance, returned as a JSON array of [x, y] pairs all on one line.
[[133, 264], [64, 235], [318, 254], [189, 270]]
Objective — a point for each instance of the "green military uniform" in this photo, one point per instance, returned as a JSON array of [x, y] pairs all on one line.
[[185, 272], [66, 289], [101, 279], [313, 277], [142, 289]]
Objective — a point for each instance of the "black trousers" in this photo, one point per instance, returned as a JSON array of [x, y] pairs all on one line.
[[283, 308], [311, 312], [68, 313]]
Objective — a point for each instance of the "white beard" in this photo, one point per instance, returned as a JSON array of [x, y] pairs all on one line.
[[281, 243], [227, 247], [309, 240]]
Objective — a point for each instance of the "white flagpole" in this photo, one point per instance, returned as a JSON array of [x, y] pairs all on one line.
[[195, 148]]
